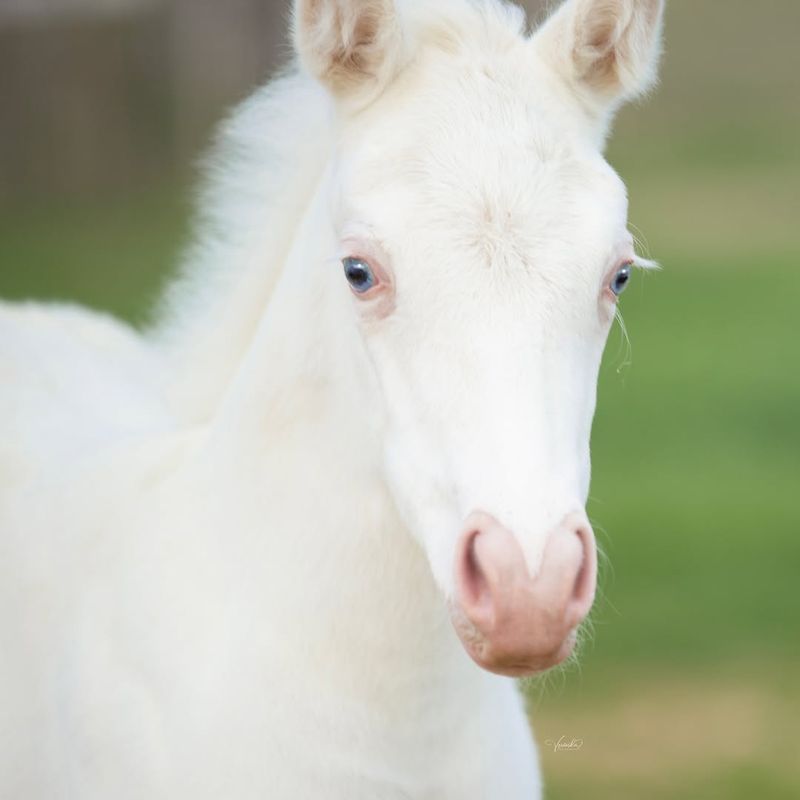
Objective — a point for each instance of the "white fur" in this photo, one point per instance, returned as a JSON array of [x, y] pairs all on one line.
[[226, 548]]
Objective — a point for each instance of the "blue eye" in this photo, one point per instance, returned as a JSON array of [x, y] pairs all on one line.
[[621, 280], [359, 274]]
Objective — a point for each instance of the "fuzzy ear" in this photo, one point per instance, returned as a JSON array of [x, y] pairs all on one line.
[[607, 50], [353, 47]]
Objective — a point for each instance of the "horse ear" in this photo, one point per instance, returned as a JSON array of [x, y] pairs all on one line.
[[352, 46], [606, 50]]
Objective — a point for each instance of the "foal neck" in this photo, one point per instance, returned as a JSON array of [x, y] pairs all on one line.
[[337, 572]]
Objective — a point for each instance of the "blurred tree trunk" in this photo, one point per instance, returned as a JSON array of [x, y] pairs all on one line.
[[84, 106], [221, 52]]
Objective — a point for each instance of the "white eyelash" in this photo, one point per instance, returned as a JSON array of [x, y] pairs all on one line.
[[645, 263]]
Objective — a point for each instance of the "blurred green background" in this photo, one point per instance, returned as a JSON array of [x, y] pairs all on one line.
[[688, 687]]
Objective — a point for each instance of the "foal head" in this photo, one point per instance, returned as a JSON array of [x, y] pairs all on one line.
[[484, 240]]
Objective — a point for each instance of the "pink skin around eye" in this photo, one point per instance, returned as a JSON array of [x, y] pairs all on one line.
[[379, 301]]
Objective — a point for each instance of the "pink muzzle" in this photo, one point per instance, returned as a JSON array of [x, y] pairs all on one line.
[[509, 622]]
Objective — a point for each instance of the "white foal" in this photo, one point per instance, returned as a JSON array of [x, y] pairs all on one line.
[[237, 555]]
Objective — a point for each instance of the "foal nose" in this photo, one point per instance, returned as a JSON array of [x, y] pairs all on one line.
[[509, 621]]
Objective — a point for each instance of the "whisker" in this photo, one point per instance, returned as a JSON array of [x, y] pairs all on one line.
[[627, 341], [639, 238]]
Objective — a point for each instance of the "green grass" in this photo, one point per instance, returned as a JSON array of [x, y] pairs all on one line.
[[697, 460], [661, 732], [112, 256]]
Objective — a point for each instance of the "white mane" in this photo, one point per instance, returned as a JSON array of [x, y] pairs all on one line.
[[266, 164]]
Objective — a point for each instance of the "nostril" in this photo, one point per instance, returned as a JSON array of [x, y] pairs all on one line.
[[489, 571], [473, 580], [585, 584]]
